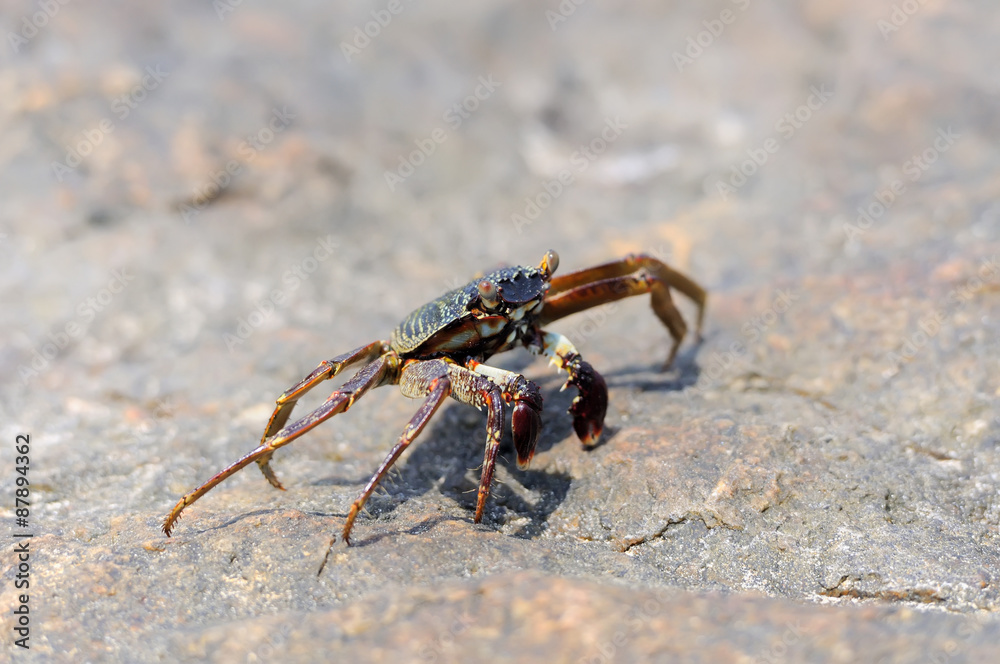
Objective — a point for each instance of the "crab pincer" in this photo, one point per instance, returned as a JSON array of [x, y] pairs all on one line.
[[439, 351], [526, 422], [590, 405]]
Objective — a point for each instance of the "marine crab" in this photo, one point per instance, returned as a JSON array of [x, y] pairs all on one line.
[[439, 351]]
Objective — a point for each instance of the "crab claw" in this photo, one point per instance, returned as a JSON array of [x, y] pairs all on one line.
[[525, 423], [589, 407]]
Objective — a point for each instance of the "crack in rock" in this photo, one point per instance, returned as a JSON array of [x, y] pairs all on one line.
[[847, 587]]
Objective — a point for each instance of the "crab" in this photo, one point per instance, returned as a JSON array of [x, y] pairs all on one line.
[[441, 348]]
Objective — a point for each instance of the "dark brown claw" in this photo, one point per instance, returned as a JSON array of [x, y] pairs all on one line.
[[438, 351], [526, 422], [590, 406]]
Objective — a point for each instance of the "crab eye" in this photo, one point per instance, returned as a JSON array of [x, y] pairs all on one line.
[[549, 263], [488, 293]]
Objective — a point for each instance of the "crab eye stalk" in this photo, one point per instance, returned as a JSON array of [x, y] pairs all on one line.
[[488, 293], [549, 263]]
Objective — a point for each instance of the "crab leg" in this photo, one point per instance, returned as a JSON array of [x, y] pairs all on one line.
[[480, 385], [374, 374], [627, 265], [478, 390], [633, 275], [326, 370], [591, 404], [526, 420], [419, 379]]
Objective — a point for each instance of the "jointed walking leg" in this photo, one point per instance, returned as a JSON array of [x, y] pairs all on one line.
[[633, 275], [420, 379], [286, 402], [379, 372], [526, 421]]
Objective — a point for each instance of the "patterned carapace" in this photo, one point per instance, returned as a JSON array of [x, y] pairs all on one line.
[[439, 351]]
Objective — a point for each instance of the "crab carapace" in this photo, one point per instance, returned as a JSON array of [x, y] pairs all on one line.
[[439, 351]]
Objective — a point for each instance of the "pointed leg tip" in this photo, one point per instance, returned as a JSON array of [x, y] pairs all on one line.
[[345, 534], [668, 364], [168, 524], [270, 476]]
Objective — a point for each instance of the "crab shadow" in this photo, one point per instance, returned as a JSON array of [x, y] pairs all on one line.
[[447, 456], [684, 374]]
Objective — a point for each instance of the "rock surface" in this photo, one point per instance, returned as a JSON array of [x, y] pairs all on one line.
[[204, 200]]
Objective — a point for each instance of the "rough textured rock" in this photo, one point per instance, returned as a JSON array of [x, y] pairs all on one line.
[[819, 480]]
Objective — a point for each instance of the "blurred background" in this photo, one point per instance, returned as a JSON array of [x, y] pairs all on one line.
[[202, 200]]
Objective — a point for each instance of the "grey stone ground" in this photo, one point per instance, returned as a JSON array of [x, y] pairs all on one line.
[[818, 481]]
